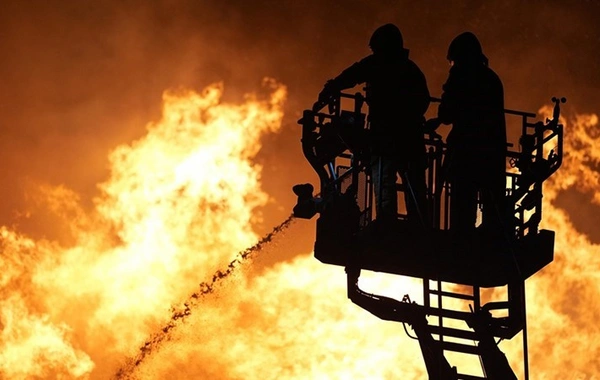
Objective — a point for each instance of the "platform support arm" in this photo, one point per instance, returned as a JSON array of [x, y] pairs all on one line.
[[390, 309], [494, 361]]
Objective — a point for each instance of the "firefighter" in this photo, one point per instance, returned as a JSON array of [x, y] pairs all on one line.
[[397, 95], [473, 102]]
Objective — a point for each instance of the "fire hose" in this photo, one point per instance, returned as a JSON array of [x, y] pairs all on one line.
[[206, 288]]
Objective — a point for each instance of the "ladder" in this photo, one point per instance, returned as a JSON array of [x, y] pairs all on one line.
[[453, 308]]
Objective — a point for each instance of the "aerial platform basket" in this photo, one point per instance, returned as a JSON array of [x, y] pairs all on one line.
[[484, 262]]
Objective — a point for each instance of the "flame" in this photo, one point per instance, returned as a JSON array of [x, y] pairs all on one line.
[[292, 322], [179, 203], [562, 299]]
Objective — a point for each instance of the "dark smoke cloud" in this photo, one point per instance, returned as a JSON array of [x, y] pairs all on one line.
[[78, 78]]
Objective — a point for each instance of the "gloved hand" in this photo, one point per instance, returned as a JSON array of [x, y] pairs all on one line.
[[325, 95]]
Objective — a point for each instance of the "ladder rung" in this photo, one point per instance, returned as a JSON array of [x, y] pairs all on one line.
[[458, 347], [446, 313], [452, 295], [462, 376], [455, 333]]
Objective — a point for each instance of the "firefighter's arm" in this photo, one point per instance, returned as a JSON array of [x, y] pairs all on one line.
[[447, 107], [348, 78], [353, 75]]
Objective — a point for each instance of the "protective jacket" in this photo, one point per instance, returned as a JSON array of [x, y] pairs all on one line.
[[473, 102], [397, 96]]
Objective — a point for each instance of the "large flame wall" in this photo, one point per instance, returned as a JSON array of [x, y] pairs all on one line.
[[178, 205]]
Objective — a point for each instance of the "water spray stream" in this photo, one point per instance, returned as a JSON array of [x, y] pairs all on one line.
[[206, 288]]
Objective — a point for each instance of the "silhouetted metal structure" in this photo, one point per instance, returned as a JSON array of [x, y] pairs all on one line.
[[452, 272]]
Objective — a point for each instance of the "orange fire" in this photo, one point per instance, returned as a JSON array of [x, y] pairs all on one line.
[[562, 299], [179, 204]]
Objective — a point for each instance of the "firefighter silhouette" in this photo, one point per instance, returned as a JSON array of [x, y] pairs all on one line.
[[397, 95], [473, 102]]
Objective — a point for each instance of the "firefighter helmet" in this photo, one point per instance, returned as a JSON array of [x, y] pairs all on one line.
[[466, 48], [386, 38]]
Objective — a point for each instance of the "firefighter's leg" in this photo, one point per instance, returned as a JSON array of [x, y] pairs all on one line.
[[463, 203], [495, 214], [384, 179], [415, 197]]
